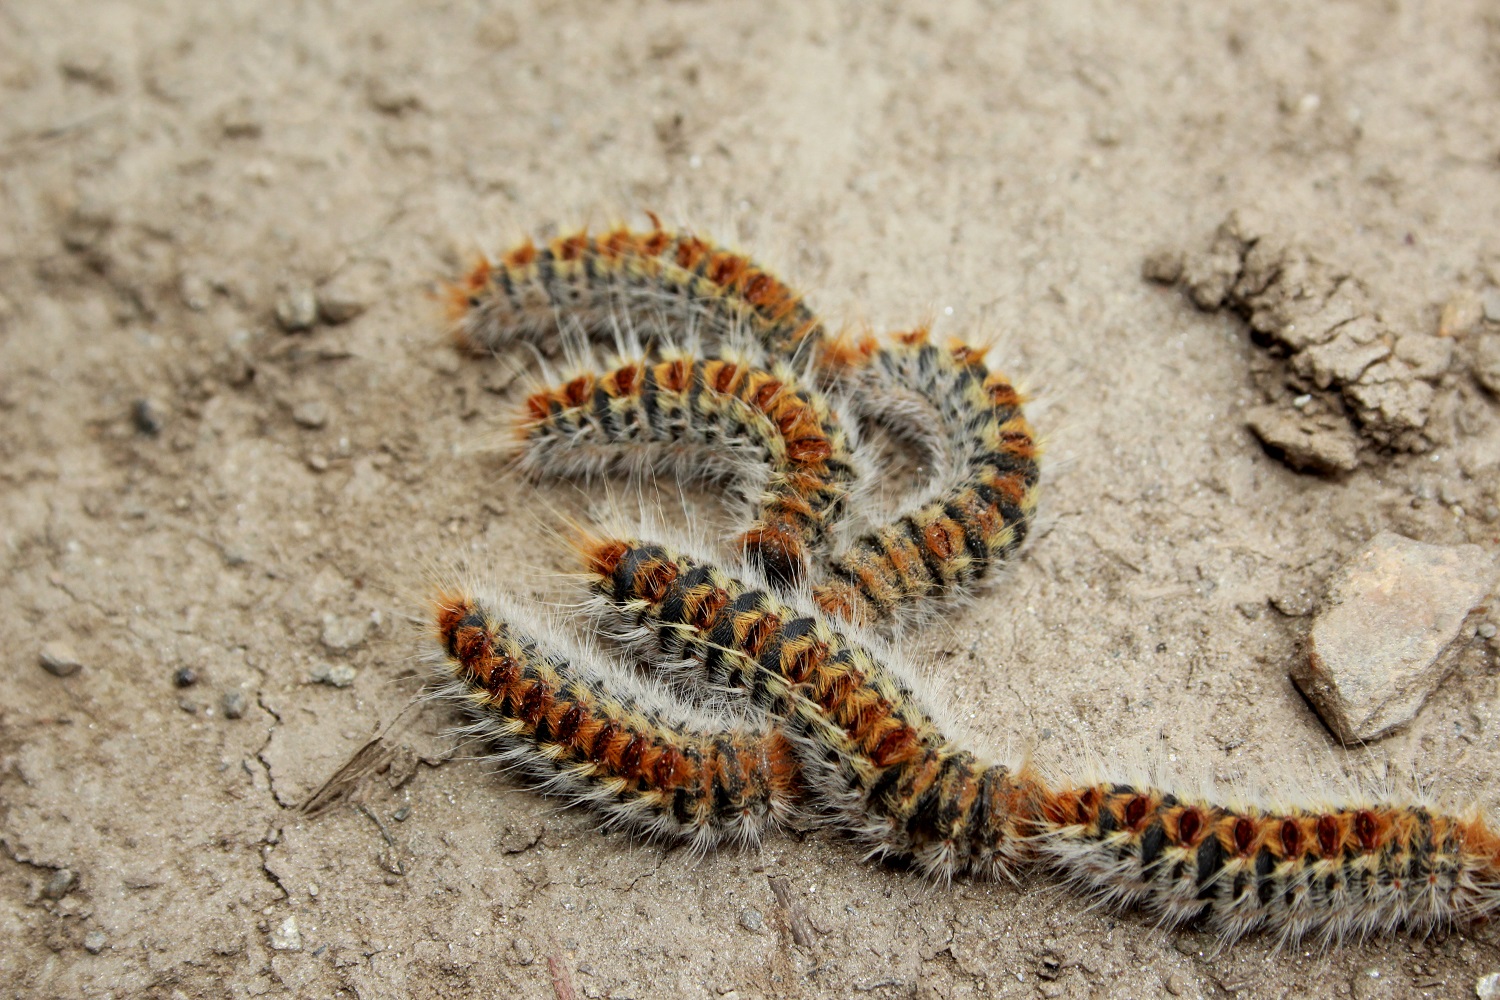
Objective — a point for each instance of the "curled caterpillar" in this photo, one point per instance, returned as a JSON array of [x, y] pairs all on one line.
[[825, 719]]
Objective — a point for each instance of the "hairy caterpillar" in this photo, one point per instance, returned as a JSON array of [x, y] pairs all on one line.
[[870, 750], [835, 726], [589, 732]]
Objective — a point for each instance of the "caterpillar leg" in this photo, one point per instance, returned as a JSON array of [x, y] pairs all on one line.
[[592, 735], [777, 439], [658, 279]]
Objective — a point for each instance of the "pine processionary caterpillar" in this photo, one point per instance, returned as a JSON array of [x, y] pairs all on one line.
[[700, 413], [635, 756], [842, 729], [654, 279]]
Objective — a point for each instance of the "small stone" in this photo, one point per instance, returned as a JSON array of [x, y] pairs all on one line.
[[194, 291], [752, 920], [235, 704], [60, 883], [310, 413], [95, 941], [1323, 443], [58, 659], [341, 301], [1487, 630], [1487, 987], [297, 309], [393, 94], [1491, 304], [317, 462], [498, 30], [517, 837], [1487, 362], [188, 705], [241, 120], [287, 937], [342, 633], [1162, 266], [340, 675], [148, 416], [1388, 632], [525, 954], [1460, 315], [1174, 985], [185, 677]]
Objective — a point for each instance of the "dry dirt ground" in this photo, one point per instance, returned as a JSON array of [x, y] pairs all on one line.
[[186, 486]]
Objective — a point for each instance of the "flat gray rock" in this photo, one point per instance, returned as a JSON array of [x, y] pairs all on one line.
[[1385, 638]]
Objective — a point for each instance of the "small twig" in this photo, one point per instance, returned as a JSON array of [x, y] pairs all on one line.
[[562, 986], [795, 919], [389, 840]]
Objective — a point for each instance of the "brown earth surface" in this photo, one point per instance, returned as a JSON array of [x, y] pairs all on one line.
[[186, 486]]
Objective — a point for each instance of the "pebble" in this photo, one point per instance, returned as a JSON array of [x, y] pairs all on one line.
[[341, 301], [94, 942], [297, 309], [60, 883], [342, 633], [340, 675], [1487, 362], [1487, 987], [58, 659], [1460, 314], [148, 416], [525, 954], [310, 413], [752, 920], [287, 937], [1378, 648], [185, 677], [1174, 985], [235, 704], [1487, 630], [1491, 304]]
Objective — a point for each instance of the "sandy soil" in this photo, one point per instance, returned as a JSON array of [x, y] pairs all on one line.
[[184, 485]]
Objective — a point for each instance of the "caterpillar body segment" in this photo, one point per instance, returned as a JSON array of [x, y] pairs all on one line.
[[655, 279], [869, 749], [780, 442], [978, 510], [1330, 871], [588, 733]]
